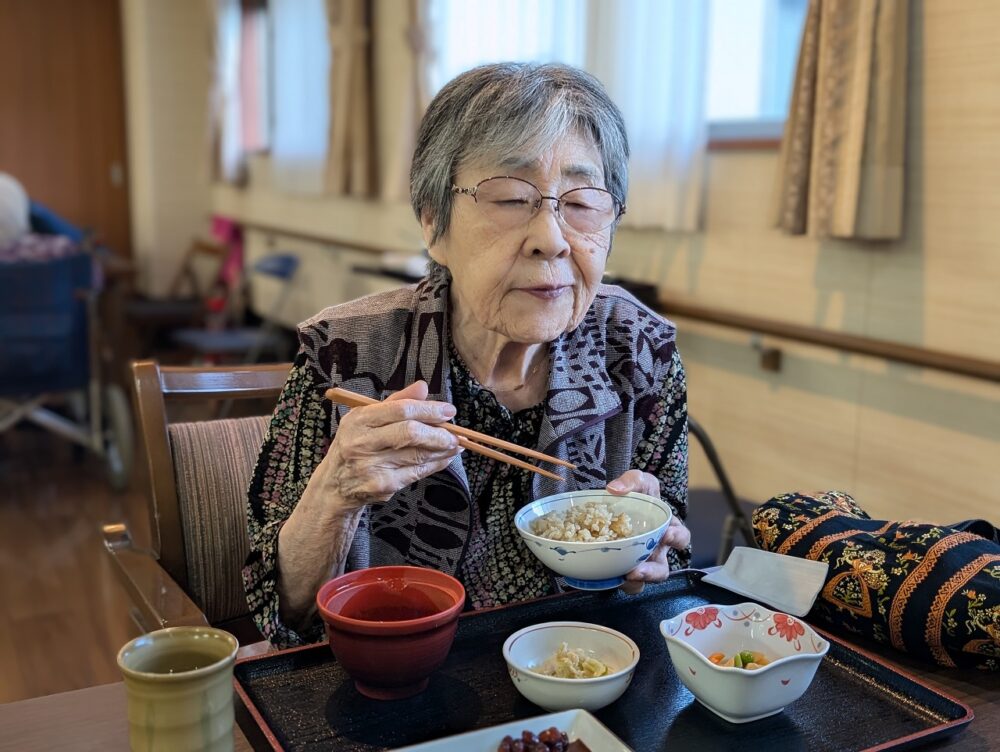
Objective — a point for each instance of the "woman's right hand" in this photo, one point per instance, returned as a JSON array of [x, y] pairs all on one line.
[[382, 448]]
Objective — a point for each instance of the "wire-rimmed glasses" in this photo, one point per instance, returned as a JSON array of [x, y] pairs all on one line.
[[512, 202]]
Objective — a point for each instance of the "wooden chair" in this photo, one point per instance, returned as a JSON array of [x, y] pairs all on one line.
[[737, 512], [246, 344], [199, 473], [150, 320]]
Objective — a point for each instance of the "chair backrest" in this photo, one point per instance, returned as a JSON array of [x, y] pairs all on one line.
[[275, 272], [199, 473], [201, 253]]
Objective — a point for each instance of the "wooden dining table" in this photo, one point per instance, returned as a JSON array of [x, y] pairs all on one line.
[[94, 718]]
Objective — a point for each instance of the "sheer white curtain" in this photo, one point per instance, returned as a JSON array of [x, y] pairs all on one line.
[[650, 54], [467, 33], [254, 81], [227, 142], [301, 56], [652, 57]]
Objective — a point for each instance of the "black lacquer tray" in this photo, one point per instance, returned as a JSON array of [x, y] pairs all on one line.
[[301, 699]]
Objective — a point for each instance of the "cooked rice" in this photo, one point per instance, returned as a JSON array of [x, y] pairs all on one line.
[[593, 521]]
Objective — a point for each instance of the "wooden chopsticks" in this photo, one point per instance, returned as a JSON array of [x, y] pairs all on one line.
[[466, 437]]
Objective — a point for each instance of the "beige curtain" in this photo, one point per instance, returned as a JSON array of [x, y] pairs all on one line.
[[402, 90], [351, 163], [841, 168]]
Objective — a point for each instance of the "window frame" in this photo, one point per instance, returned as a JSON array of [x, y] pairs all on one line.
[[754, 134]]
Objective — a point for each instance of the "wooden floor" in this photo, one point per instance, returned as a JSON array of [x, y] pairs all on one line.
[[63, 615]]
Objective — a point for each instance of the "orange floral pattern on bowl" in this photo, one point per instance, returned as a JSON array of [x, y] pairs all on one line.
[[795, 651], [783, 625]]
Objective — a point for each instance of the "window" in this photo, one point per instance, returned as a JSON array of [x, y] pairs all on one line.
[[255, 83], [469, 33], [752, 53], [300, 114], [752, 50], [651, 56], [272, 62]]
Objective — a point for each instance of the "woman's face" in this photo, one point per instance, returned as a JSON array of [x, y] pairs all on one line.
[[532, 282]]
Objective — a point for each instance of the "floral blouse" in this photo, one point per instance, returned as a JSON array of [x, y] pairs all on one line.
[[498, 568]]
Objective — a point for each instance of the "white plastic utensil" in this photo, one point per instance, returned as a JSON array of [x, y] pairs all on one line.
[[787, 583]]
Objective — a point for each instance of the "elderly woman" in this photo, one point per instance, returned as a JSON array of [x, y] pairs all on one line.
[[518, 179]]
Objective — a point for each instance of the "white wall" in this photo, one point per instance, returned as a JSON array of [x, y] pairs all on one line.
[[166, 91]]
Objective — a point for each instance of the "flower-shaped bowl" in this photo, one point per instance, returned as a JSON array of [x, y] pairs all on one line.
[[738, 694]]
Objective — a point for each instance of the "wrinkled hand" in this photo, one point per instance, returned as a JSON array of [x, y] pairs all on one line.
[[382, 448], [655, 568]]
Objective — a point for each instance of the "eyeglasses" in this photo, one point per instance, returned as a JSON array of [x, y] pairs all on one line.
[[512, 202]]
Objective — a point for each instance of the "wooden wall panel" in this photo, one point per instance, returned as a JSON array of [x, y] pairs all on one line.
[[908, 468], [775, 432], [907, 443], [62, 110]]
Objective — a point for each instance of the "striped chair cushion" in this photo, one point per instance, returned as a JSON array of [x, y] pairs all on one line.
[[213, 462]]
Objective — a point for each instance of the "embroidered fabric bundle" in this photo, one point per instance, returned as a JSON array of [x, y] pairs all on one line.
[[929, 590]]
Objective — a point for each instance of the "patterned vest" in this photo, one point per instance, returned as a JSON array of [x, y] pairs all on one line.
[[605, 380]]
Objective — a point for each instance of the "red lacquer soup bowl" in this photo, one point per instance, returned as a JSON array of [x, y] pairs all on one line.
[[391, 627]]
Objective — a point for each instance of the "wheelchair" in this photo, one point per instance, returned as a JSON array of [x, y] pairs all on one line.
[[51, 370]]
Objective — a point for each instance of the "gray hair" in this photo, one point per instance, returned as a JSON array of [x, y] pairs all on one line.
[[494, 112]]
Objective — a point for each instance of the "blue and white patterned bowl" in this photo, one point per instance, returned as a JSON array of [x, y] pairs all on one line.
[[598, 565]]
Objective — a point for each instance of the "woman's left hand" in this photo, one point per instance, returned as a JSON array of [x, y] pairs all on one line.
[[655, 568]]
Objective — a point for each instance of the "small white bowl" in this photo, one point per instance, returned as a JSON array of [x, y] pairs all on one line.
[[530, 647], [597, 565], [740, 695]]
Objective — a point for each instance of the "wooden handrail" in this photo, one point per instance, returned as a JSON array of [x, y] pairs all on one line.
[[918, 356], [986, 370], [744, 144], [354, 245]]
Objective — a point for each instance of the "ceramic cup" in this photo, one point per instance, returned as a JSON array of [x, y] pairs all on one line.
[[179, 684]]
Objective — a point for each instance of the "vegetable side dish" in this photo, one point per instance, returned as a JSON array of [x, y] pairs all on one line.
[[572, 664], [748, 659]]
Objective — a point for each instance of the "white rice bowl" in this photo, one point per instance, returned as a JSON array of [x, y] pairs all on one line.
[[596, 565]]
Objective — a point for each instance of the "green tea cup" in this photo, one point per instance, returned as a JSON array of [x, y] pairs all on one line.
[[179, 685]]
